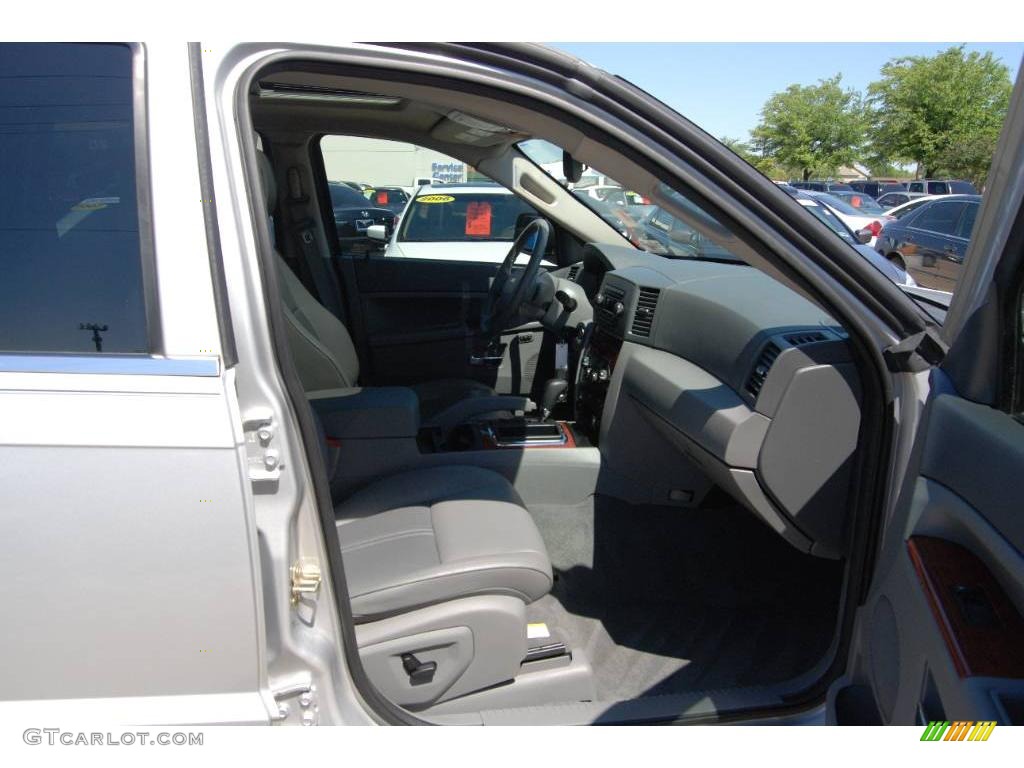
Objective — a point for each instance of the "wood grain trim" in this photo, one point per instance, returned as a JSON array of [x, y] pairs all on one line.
[[992, 648]]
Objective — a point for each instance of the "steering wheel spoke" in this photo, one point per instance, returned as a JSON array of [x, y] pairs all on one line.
[[510, 285]]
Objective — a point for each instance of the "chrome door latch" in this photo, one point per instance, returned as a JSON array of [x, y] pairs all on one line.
[[306, 578], [263, 461]]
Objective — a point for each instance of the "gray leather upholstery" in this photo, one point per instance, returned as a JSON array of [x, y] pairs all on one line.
[[426, 536], [321, 346]]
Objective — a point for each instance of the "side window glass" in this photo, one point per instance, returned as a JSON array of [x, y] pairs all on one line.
[[940, 217], [69, 225], [965, 226]]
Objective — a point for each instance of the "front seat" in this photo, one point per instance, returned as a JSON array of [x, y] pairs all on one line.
[[440, 565], [321, 346], [426, 536]]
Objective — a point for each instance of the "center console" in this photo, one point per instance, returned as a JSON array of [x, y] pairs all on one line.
[[593, 375], [496, 434]]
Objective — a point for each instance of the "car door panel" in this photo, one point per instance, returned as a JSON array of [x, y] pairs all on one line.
[[944, 626], [939, 635]]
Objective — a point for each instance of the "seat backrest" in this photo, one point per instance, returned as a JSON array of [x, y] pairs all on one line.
[[321, 346]]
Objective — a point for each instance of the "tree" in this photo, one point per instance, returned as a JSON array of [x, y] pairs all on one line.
[[753, 155], [812, 128], [943, 112]]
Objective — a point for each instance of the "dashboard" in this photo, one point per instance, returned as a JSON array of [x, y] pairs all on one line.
[[749, 382]]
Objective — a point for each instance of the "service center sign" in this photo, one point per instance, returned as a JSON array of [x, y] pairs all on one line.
[[448, 172]]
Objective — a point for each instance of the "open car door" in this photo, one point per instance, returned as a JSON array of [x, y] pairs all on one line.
[[939, 638]]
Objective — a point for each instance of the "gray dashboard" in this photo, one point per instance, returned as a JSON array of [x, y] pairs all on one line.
[[750, 381]]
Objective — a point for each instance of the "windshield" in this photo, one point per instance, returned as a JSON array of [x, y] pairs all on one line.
[[861, 202], [629, 213], [452, 216]]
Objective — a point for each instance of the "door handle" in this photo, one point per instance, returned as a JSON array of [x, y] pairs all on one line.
[[493, 361]]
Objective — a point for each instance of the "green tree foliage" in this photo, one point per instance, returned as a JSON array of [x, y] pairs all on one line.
[[753, 155], [813, 129], [943, 112]]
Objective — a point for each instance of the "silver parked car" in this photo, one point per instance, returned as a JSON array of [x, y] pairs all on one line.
[[254, 476]]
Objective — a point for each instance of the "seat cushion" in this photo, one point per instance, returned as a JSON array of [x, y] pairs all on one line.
[[435, 396], [426, 536]]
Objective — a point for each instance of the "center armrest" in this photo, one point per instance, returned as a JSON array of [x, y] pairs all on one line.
[[357, 412]]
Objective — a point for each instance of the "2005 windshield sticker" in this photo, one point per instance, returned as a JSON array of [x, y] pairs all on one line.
[[435, 199]]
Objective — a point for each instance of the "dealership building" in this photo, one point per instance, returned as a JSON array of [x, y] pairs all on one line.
[[381, 163]]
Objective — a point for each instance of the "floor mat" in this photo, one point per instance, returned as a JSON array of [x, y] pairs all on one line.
[[665, 600]]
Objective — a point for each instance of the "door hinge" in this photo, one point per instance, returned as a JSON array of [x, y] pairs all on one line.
[[306, 578], [916, 353], [301, 692], [263, 461]]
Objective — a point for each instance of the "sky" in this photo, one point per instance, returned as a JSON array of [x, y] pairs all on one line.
[[722, 86]]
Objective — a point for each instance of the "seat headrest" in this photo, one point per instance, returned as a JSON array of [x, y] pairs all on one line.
[[268, 181]]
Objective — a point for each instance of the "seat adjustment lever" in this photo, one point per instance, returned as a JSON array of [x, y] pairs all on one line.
[[419, 672]]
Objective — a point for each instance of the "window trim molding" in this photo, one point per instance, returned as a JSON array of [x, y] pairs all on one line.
[[113, 363], [144, 200]]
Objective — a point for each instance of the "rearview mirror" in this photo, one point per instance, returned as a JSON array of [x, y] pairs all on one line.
[[572, 168], [377, 232], [864, 236]]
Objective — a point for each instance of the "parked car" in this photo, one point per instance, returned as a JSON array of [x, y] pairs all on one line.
[[853, 217], [393, 198], [458, 222], [769, 495], [822, 186], [354, 215], [847, 235], [861, 201], [877, 188], [931, 241], [942, 187], [916, 201], [675, 237], [890, 200]]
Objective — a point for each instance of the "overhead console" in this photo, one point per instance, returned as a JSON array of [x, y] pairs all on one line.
[[753, 384]]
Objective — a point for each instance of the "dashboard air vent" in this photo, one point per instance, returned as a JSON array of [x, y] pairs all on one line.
[[573, 271], [643, 318], [761, 368], [805, 337]]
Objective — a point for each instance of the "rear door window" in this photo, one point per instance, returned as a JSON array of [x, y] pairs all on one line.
[[70, 243], [941, 218]]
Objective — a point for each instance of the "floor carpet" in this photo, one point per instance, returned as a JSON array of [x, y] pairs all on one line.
[[666, 600]]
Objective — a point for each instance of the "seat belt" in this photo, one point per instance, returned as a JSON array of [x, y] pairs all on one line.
[[318, 265]]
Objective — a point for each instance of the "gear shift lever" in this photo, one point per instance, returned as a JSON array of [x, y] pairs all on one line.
[[553, 389]]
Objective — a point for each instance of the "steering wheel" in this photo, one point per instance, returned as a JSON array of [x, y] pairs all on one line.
[[508, 289]]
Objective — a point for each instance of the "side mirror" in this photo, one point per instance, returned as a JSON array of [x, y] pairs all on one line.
[[864, 236], [377, 232]]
